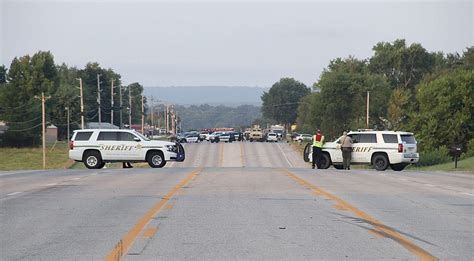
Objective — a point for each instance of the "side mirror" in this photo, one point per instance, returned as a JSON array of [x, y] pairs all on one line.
[[136, 139]]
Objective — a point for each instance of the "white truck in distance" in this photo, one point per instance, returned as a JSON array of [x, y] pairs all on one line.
[[95, 147], [378, 148]]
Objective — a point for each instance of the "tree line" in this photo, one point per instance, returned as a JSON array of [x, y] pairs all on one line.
[[29, 76], [428, 93]]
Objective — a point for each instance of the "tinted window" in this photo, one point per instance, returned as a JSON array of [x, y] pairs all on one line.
[[107, 135], [125, 136], [367, 138], [409, 139], [390, 138], [355, 137], [83, 135]]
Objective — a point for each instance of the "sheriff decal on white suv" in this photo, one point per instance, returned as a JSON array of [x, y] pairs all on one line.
[[95, 147]]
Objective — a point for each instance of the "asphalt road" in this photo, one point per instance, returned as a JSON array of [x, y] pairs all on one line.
[[237, 201]]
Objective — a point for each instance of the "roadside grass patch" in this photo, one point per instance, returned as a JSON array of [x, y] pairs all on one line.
[[466, 164], [32, 158]]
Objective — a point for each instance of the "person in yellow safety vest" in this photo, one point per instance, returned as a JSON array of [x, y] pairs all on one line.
[[318, 141]]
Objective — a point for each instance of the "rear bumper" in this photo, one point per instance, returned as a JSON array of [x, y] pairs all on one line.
[[404, 158], [75, 155]]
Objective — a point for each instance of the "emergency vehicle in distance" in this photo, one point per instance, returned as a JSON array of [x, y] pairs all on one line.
[[95, 147], [381, 149]]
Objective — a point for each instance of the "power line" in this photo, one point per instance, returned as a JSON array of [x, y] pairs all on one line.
[[20, 122], [25, 128]]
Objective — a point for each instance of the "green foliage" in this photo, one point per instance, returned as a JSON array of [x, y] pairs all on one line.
[[341, 104], [30, 76], [433, 157], [403, 66], [3, 74], [446, 106], [280, 103], [27, 78], [469, 150]]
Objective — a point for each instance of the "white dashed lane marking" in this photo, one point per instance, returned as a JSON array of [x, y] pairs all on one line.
[[51, 184], [15, 193]]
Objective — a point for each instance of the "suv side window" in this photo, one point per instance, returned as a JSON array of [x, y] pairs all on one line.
[[83, 135], [108, 135], [354, 137], [126, 136], [390, 138], [367, 138]]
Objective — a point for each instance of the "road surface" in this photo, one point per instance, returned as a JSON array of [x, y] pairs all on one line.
[[236, 201]]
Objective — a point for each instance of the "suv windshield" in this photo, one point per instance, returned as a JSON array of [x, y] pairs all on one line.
[[141, 136]]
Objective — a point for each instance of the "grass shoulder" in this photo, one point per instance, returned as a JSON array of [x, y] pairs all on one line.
[[32, 158], [466, 165]]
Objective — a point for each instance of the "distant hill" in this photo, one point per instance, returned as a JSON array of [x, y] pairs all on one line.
[[212, 95]]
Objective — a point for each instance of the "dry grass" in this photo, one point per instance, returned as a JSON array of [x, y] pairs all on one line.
[[32, 158]]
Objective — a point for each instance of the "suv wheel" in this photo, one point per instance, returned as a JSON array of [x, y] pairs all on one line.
[[156, 159], [398, 167], [325, 161], [93, 160], [380, 162]]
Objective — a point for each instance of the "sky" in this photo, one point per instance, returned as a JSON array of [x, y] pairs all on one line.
[[224, 43]]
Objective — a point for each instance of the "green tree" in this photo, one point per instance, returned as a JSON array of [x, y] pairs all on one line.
[[3, 74], [27, 78], [404, 66], [341, 104], [446, 109], [280, 103]]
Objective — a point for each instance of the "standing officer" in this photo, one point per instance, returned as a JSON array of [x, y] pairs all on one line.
[[346, 146], [318, 141]]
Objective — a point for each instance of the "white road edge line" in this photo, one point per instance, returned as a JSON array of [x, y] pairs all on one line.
[[430, 185], [15, 193], [51, 184], [284, 155], [76, 178], [469, 194]]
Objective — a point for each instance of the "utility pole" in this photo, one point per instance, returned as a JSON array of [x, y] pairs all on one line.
[[368, 99], [112, 103], [167, 118], [173, 123], [67, 109], [98, 99], [130, 107], [121, 106], [143, 115], [82, 103], [152, 112], [43, 114]]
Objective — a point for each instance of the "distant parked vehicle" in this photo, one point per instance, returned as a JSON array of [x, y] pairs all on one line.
[[303, 137], [226, 137], [272, 137]]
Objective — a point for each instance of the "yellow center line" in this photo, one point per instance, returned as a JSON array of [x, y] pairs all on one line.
[[221, 154], [242, 154], [379, 228], [126, 242]]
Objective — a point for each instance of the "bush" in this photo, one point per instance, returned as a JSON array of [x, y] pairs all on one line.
[[470, 150], [434, 157]]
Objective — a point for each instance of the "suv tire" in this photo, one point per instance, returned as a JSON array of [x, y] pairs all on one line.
[[325, 161], [156, 159], [92, 160], [380, 162], [398, 167]]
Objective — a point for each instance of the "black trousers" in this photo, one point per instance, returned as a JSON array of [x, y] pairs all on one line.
[[346, 157], [317, 155]]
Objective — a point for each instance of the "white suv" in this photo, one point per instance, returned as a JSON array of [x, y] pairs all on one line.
[[378, 148], [94, 147]]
